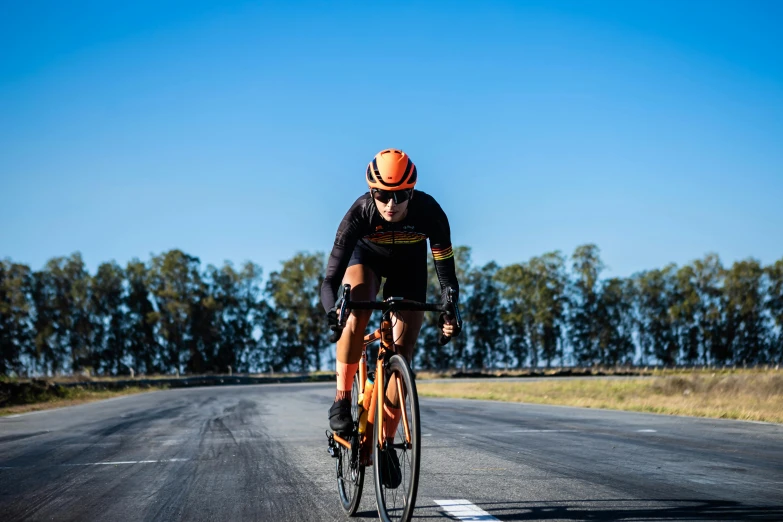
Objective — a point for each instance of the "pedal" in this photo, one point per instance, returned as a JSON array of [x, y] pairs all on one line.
[[332, 446]]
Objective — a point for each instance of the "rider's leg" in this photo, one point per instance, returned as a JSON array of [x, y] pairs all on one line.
[[407, 326], [364, 287]]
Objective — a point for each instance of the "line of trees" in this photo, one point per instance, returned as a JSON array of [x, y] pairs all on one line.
[[171, 315]]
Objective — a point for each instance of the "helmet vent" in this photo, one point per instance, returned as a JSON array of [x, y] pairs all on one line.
[[413, 176], [391, 169]]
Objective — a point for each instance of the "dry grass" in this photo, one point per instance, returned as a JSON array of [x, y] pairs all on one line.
[[75, 396], [745, 395], [586, 371], [68, 379]]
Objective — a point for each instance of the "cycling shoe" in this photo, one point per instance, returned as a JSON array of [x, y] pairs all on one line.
[[340, 419]]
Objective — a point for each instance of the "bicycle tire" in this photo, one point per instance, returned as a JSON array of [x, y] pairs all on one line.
[[350, 473], [397, 504]]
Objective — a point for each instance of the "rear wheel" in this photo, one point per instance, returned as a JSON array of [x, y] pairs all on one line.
[[396, 502], [350, 473]]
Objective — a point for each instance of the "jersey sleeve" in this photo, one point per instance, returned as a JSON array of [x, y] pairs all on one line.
[[442, 252], [348, 234]]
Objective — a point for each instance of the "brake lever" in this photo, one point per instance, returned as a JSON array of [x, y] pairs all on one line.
[[337, 329], [453, 311]]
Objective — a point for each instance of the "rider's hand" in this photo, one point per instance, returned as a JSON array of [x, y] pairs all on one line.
[[449, 326], [333, 318]]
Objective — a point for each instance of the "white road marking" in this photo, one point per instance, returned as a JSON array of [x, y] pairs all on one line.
[[464, 510], [426, 434], [540, 431], [113, 463], [119, 462], [646, 431]]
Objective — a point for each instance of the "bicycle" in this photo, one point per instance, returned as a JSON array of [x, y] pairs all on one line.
[[352, 451]]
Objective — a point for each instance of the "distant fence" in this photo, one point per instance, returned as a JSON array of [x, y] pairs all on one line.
[[40, 390]]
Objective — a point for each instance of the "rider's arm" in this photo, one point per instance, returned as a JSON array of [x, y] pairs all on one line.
[[351, 229], [442, 252]]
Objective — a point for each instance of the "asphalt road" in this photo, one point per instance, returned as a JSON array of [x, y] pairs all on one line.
[[259, 453]]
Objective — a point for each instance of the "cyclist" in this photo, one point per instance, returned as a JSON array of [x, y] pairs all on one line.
[[384, 234]]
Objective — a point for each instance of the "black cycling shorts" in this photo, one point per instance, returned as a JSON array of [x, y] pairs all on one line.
[[406, 274]]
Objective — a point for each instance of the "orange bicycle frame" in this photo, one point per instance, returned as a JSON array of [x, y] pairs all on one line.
[[385, 335]]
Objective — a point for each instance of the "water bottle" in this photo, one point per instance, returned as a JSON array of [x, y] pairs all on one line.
[[363, 422], [365, 404], [368, 385]]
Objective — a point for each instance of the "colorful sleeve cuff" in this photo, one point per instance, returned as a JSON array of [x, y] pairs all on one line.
[[440, 254]]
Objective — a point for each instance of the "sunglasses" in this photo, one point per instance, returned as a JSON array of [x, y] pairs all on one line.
[[384, 196]]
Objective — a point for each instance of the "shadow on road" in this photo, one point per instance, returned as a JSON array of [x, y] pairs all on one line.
[[675, 509]]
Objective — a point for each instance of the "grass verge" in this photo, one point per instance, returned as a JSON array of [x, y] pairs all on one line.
[[742, 395], [592, 371], [72, 397]]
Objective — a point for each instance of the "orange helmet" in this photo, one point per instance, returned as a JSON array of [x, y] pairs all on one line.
[[391, 169]]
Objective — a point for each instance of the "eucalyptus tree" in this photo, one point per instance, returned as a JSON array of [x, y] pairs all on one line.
[[77, 304], [231, 334], [514, 282], [685, 312], [584, 297], [110, 319], [16, 306], [167, 315], [237, 295], [204, 328], [616, 322], [548, 301], [708, 276], [174, 281], [774, 305], [655, 292], [300, 330], [61, 292], [247, 319], [45, 358], [143, 346], [273, 354], [482, 316], [746, 327]]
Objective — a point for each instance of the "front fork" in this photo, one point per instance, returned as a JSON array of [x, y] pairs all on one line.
[[384, 357]]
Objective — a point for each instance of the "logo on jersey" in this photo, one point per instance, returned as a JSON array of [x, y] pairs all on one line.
[[387, 237]]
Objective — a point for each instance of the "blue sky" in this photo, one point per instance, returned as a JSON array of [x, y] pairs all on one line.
[[241, 130]]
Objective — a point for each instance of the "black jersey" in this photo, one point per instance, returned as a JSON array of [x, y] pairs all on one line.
[[363, 225]]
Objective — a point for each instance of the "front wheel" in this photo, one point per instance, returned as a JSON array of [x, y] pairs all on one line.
[[395, 491], [350, 473]]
